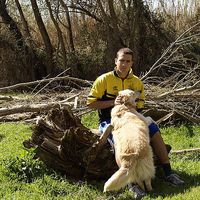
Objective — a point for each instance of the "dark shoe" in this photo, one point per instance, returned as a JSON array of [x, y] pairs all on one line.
[[174, 179], [139, 193]]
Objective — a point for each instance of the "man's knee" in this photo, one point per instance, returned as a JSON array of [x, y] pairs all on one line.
[[153, 129]]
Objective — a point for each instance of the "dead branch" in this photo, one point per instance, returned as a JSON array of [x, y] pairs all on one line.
[[162, 119], [6, 98], [189, 117], [12, 87], [184, 151], [50, 82], [184, 89], [32, 108]]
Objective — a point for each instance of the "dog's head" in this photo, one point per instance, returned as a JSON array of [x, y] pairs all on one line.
[[128, 97]]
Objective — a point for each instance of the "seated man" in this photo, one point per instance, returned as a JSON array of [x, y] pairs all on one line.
[[102, 97]]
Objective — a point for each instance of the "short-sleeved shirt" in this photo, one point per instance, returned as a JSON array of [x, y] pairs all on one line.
[[107, 86]]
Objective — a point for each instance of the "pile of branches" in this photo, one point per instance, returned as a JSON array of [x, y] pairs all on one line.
[[173, 84]]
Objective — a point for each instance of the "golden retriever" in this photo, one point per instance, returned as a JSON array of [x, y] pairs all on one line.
[[133, 152]]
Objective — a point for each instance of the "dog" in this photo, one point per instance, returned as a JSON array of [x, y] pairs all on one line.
[[133, 152]]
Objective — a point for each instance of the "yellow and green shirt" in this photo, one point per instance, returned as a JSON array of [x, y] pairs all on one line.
[[107, 86]]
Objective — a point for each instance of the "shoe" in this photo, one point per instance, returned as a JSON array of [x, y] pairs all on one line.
[[139, 193], [174, 179]]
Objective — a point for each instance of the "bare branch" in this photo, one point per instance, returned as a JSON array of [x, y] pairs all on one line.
[[12, 87], [167, 51], [195, 86]]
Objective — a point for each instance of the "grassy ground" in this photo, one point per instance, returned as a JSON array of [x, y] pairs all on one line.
[[22, 177]]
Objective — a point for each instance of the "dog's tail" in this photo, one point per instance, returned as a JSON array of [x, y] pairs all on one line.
[[118, 180]]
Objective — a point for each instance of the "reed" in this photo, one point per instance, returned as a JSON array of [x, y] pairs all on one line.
[[178, 14]]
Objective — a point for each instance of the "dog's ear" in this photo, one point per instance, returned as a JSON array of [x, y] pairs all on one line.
[[137, 94]]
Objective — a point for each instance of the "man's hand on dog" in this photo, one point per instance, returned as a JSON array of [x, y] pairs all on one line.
[[118, 100]]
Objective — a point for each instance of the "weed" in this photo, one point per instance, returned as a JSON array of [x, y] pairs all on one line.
[[25, 168]]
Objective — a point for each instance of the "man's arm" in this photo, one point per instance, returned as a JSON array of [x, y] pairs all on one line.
[[102, 104]]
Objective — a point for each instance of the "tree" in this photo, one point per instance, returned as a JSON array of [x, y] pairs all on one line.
[[26, 72], [60, 35], [69, 26], [45, 37]]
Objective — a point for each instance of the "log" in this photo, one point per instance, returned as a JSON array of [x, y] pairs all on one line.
[[18, 85], [64, 144], [32, 108]]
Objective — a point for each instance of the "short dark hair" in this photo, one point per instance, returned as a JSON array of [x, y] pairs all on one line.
[[125, 51]]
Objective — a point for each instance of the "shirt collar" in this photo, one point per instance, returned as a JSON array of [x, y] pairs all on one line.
[[129, 75]]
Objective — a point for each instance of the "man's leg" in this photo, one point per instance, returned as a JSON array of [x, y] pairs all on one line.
[[160, 150]]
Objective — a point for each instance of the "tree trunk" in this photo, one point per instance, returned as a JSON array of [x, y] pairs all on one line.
[[24, 22], [69, 26], [45, 36], [60, 35]]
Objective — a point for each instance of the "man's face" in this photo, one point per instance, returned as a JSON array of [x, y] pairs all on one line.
[[123, 63]]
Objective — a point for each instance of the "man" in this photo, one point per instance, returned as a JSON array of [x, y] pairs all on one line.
[[103, 97]]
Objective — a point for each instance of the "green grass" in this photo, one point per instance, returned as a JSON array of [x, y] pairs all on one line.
[[22, 177]]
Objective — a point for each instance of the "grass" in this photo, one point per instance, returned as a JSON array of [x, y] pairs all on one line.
[[22, 177]]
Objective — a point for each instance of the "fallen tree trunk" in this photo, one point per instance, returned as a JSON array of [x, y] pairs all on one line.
[[63, 143], [18, 85], [31, 108]]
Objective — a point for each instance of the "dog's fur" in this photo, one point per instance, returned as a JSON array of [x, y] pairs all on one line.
[[133, 152]]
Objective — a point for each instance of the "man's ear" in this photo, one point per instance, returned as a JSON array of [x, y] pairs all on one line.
[[115, 61]]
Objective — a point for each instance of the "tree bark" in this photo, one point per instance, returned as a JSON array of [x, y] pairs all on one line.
[[60, 35], [45, 36], [69, 26]]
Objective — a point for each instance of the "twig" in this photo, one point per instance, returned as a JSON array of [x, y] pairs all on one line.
[[167, 50]]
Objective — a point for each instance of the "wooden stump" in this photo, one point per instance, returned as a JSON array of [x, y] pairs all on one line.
[[64, 144]]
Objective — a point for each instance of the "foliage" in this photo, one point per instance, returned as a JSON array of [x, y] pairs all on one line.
[[93, 32]]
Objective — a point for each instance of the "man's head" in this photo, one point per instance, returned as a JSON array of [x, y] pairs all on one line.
[[124, 61]]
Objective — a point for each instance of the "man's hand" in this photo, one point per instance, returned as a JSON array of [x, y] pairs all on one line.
[[118, 100]]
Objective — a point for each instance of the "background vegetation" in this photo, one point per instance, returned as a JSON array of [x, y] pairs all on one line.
[[42, 38]]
